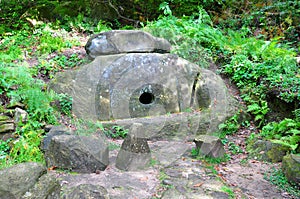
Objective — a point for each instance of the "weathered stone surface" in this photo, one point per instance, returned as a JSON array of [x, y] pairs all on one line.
[[210, 146], [125, 41], [4, 118], [267, 151], [86, 191], [144, 85], [46, 187], [54, 131], [7, 127], [291, 168], [15, 181], [20, 115], [84, 154], [135, 153]]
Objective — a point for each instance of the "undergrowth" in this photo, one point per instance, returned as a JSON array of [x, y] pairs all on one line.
[[257, 66]]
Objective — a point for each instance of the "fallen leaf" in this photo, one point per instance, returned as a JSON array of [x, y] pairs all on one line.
[[199, 184], [144, 179]]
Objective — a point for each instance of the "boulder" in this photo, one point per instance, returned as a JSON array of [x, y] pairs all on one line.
[[15, 181], [291, 168], [267, 151], [46, 187], [84, 154], [55, 130], [135, 152], [125, 41], [210, 146], [86, 191]]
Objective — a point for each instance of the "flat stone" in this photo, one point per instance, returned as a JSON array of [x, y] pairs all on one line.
[[125, 41], [15, 181], [7, 127], [86, 191]]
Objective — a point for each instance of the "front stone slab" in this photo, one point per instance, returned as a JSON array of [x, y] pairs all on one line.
[[135, 152]]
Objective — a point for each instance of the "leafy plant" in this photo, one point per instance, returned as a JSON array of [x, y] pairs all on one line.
[[117, 132], [259, 110], [65, 102], [27, 147], [229, 191], [4, 149], [195, 152], [234, 149], [230, 126], [277, 178], [286, 132]]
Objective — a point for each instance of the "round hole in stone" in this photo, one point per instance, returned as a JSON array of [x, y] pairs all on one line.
[[146, 98]]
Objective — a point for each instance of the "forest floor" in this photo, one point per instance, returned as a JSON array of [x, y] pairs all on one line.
[[244, 176]]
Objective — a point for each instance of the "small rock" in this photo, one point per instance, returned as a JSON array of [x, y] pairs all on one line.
[[20, 115], [4, 118], [210, 145], [268, 151]]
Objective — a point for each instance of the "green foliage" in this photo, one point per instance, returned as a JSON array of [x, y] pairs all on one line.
[[233, 148], [230, 126], [87, 127], [117, 132], [286, 132], [27, 147], [277, 177], [229, 191], [4, 149], [20, 86], [195, 153], [65, 103], [184, 33], [259, 110]]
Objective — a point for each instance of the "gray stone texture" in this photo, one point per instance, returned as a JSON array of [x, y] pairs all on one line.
[[47, 187], [210, 146], [135, 152], [15, 181], [83, 191], [54, 131], [85, 154], [125, 41]]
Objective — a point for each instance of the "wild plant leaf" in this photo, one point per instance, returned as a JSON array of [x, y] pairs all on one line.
[[284, 143]]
